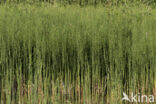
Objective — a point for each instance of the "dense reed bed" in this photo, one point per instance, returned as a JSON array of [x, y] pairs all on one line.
[[74, 55]]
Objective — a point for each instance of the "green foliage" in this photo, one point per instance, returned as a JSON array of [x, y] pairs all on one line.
[[56, 55], [84, 2]]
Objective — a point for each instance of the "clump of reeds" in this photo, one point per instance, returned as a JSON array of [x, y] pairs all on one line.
[[75, 55]]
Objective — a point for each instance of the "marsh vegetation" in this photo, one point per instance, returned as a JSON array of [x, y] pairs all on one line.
[[74, 55]]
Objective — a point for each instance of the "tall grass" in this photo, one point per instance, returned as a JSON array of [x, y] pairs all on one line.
[[75, 55], [83, 2]]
